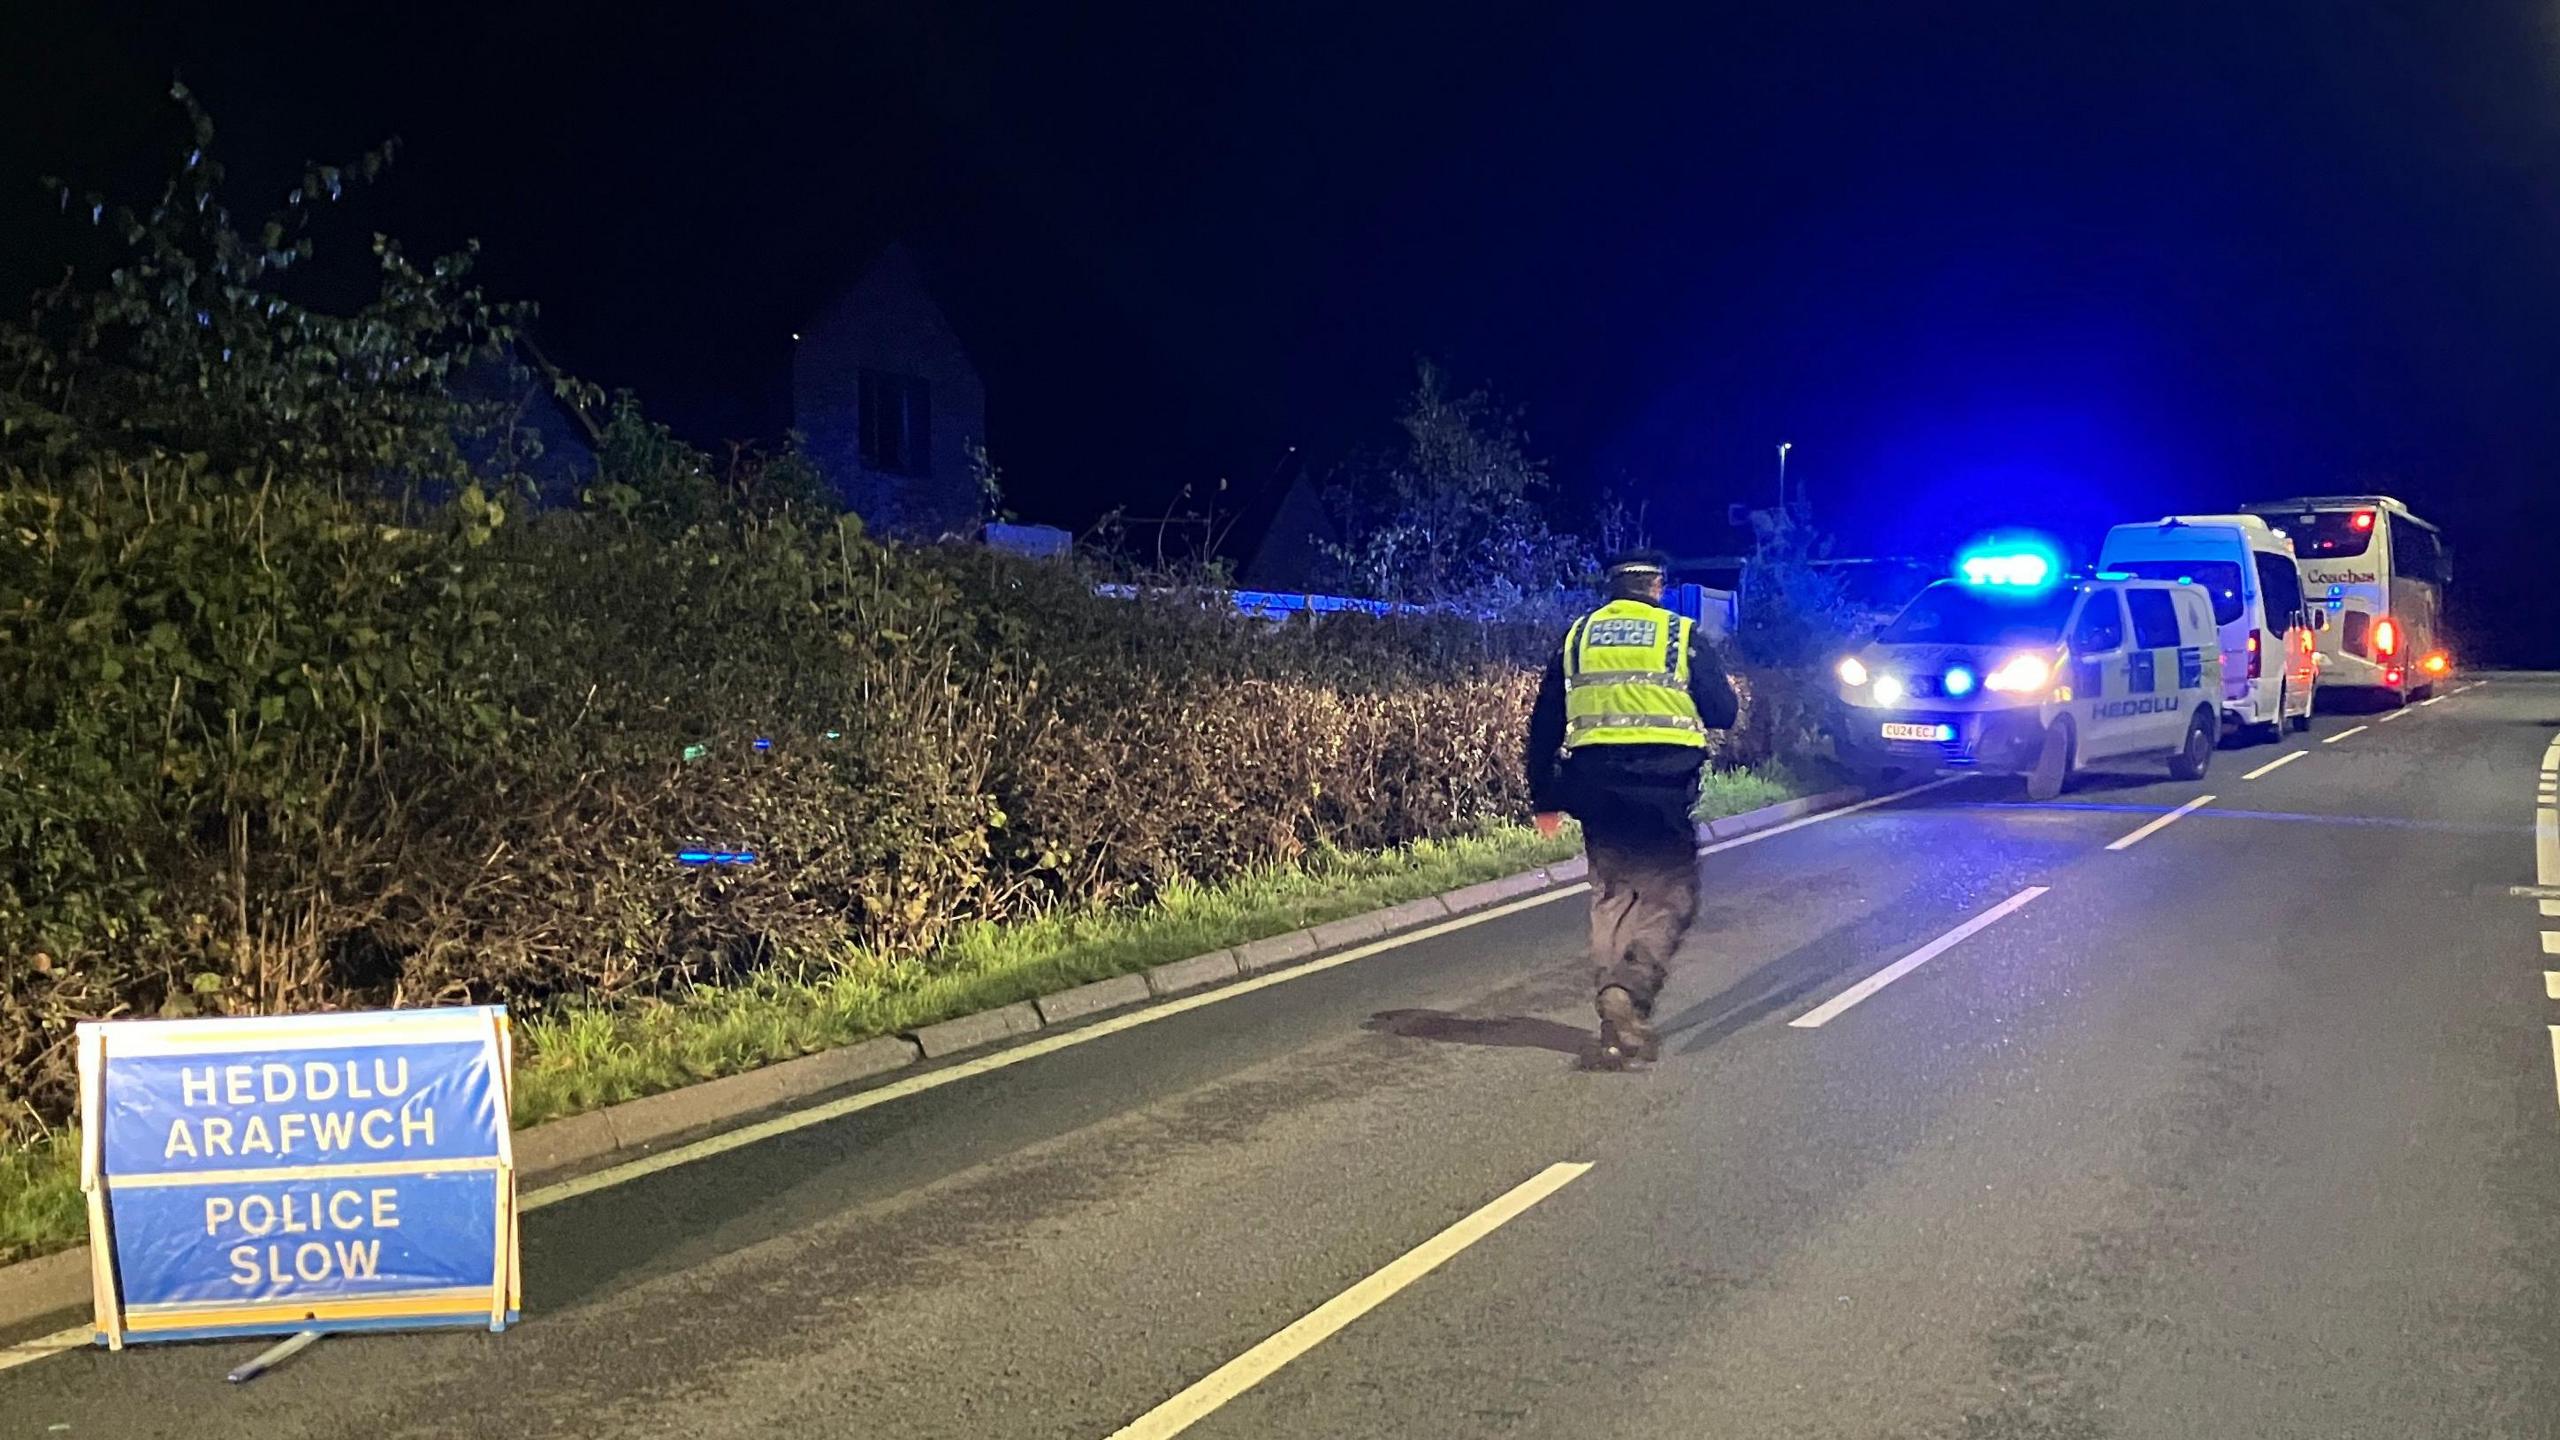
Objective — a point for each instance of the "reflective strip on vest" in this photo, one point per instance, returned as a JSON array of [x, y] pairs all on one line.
[[1626, 669]]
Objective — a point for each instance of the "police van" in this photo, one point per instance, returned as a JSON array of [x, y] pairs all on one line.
[[2012, 668]]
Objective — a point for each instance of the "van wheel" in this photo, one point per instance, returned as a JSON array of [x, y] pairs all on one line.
[[2053, 763], [2272, 733], [2196, 756]]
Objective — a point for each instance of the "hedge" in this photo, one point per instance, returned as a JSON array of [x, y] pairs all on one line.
[[270, 751]]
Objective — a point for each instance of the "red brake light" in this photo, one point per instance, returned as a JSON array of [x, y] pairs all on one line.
[[2386, 638], [2364, 520]]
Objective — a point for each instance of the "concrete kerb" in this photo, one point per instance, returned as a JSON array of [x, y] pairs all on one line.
[[1273, 951], [1197, 973], [1093, 999], [968, 1032], [1766, 816], [58, 1284]]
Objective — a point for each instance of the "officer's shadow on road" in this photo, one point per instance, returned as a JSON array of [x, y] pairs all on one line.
[[1504, 1032], [1782, 985]]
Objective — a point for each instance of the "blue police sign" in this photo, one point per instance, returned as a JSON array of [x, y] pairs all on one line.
[[305, 1172]]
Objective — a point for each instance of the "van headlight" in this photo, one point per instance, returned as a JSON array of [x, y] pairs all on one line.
[[2021, 675], [1889, 690], [1852, 673]]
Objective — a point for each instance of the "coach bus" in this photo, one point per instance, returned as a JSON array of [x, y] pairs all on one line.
[[2374, 576]]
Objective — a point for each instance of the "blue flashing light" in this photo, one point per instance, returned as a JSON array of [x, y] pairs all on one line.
[[2013, 569], [1959, 680], [763, 744], [715, 857], [2115, 575]]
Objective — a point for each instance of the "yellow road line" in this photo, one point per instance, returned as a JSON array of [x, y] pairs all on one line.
[[27, 1352], [1312, 1329]]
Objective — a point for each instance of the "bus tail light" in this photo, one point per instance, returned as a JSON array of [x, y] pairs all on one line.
[[2257, 655], [2364, 520], [2386, 637]]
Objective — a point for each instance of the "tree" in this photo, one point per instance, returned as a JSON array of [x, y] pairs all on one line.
[[1455, 517], [1794, 613], [198, 344]]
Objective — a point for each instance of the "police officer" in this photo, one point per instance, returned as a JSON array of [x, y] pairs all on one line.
[[1618, 740]]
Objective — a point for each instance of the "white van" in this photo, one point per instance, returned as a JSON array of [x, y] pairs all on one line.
[[2247, 567]]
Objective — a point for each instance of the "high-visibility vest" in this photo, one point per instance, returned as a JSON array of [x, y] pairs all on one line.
[[1626, 679]]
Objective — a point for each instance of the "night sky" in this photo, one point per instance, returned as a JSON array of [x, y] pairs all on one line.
[[2048, 264]]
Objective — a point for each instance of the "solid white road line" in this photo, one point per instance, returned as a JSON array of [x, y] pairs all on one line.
[[1757, 836], [1312, 1329], [1840, 1004], [855, 1104], [2276, 764], [2394, 715], [2163, 823], [2343, 734]]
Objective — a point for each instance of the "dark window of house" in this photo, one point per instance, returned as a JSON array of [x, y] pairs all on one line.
[[2155, 619], [897, 423]]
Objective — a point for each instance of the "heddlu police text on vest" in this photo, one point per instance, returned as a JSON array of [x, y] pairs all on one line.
[[351, 1126]]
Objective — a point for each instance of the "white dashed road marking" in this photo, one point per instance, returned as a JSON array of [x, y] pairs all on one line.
[[1312, 1329], [1839, 1004], [2276, 764], [2163, 823]]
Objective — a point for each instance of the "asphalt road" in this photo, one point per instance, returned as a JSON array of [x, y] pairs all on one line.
[[2247, 1129]]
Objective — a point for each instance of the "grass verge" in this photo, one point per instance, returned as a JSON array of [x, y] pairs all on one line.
[[574, 1058], [40, 1205]]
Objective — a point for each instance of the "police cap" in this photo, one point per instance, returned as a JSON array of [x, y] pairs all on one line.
[[1638, 562]]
